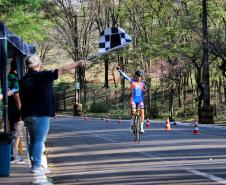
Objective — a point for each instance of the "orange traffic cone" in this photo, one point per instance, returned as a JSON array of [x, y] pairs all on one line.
[[167, 124], [107, 119], [196, 127], [119, 119], [148, 123]]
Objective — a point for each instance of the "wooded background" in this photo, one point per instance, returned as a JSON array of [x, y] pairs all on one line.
[[180, 44]]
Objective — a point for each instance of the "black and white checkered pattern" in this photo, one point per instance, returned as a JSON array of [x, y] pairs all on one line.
[[113, 38]]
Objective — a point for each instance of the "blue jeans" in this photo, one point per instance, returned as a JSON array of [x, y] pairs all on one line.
[[38, 128]]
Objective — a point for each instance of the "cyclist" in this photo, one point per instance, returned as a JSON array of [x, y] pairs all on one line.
[[137, 95]]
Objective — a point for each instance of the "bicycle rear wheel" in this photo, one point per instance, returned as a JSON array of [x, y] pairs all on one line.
[[137, 129]]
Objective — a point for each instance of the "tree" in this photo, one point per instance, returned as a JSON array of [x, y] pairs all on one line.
[[207, 112], [73, 22], [217, 36], [105, 13], [25, 18]]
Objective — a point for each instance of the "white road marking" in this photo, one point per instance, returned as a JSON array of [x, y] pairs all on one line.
[[209, 176], [103, 137], [182, 166], [129, 169]]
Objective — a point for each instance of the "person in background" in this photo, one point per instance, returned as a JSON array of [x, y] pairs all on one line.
[[15, 122], [1, 95], [1, 98], [38, 105]]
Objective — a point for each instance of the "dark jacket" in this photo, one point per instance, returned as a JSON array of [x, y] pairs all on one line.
[[37, 94]]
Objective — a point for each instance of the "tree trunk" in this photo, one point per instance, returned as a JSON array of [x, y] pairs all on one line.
[[200, 92], [106, 66], [179, 93], [184, 93], [207, 113], [217, 94], [225, 94], [171, 97], [148, 85], [85, 95]]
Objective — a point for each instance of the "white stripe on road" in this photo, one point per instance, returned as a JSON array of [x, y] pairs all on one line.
[[206, 175], [209, 176], [137, 169], [103, 137]]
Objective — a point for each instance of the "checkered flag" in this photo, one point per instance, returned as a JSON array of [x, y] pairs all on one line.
[[113, 38], [110, 40]]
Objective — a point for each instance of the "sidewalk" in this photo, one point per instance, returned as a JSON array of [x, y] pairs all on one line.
[[21, 175]]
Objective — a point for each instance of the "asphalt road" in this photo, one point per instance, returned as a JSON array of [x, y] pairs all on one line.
[[94, 152]]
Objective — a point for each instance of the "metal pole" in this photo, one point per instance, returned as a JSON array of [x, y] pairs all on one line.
[[4, 63]]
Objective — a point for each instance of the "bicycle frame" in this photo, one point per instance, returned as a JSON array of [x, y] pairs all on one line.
[[137, 125]]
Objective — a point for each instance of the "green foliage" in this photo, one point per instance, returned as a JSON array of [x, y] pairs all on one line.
[[25, 18], [98, 108], [189, 111], [112, 114], [63, 85], [154, 112], [172, 31]]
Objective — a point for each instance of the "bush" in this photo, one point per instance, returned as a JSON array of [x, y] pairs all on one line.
[[188, 112], [154, 112], [98, 108]]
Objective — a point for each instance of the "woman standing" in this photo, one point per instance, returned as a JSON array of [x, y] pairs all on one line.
[[38, 104]]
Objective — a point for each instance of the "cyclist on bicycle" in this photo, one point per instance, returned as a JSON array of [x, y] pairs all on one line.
[[137, 95]]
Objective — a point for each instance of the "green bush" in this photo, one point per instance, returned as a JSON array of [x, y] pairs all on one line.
[[98, 108], [154, 112], [189, 111]]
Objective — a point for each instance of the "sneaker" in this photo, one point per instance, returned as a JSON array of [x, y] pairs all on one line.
[[39, 170], [142, 131], [46, 169], [142, 127], [18, 160]]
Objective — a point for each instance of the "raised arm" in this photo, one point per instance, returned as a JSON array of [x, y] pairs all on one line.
[[123, 74], [67, 67]]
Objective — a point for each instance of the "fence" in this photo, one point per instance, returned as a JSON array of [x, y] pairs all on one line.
[[112, 98]]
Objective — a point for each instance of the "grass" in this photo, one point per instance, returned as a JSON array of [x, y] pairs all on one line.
[[113, 114], [116, 113]]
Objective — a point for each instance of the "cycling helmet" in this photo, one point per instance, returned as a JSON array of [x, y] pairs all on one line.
[[139, 73]]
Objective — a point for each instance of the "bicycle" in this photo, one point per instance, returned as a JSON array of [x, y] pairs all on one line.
[[137, 125]]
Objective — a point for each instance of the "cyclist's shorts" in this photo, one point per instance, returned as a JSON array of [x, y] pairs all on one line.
[[140, 105]]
